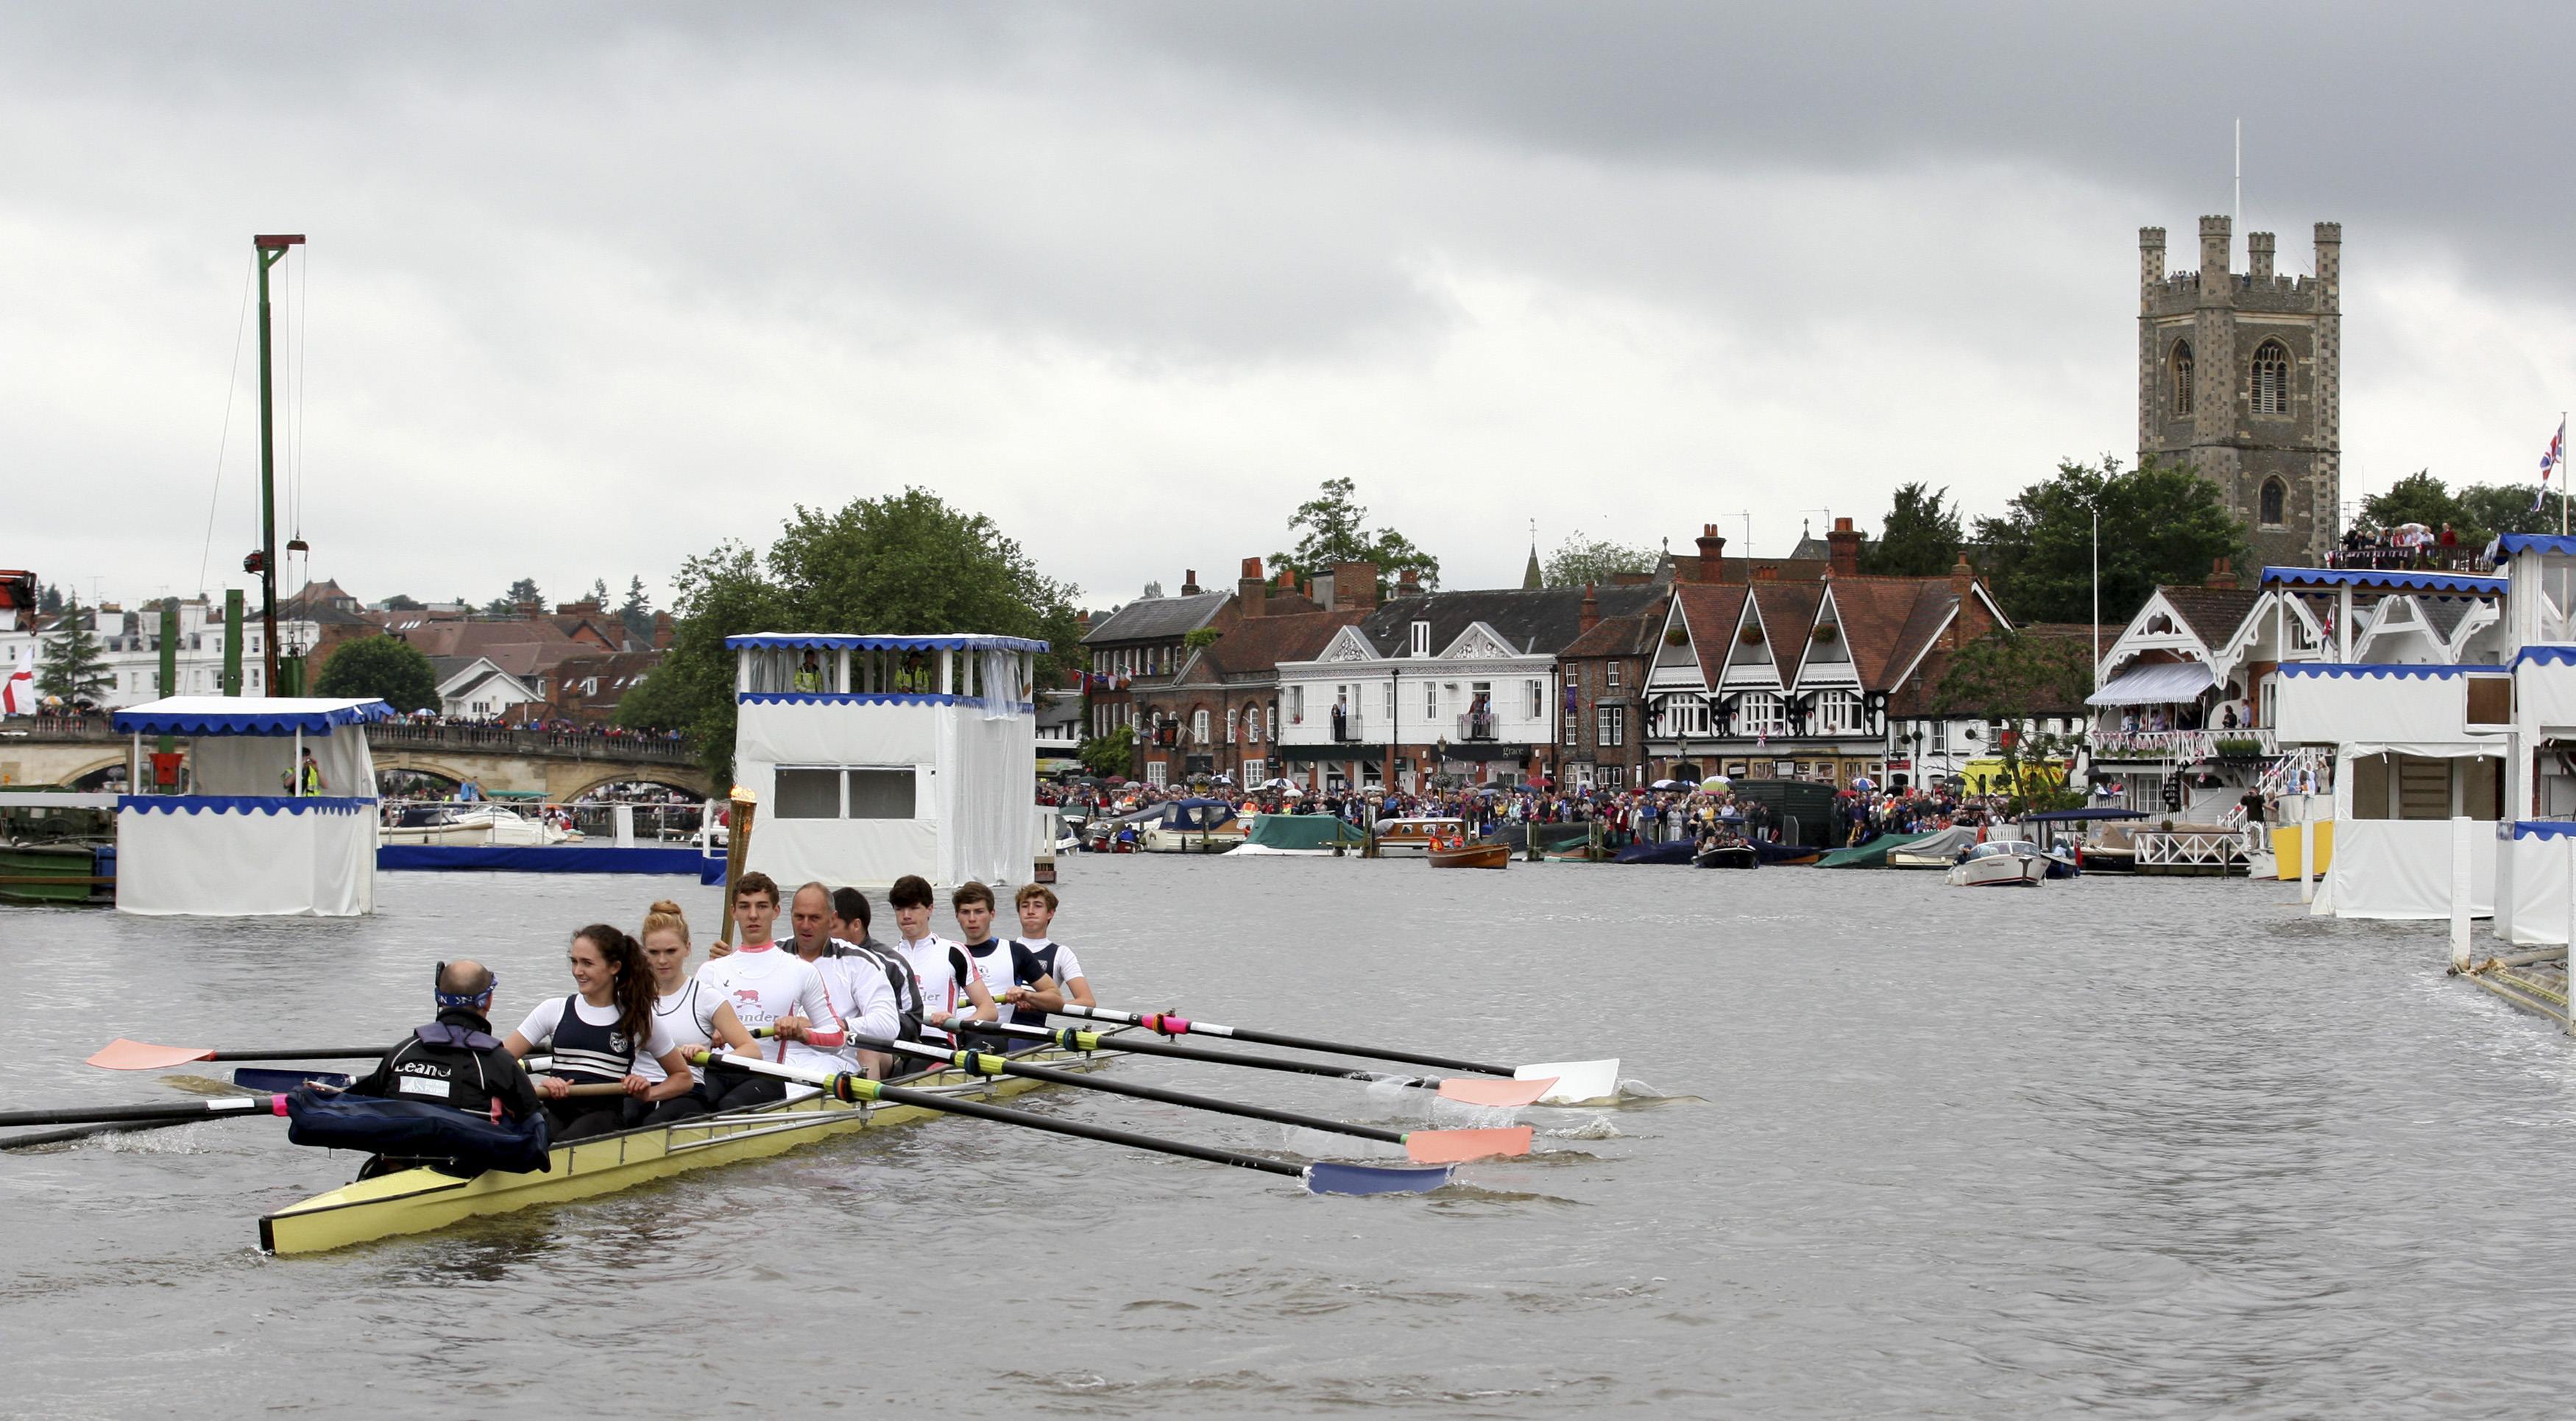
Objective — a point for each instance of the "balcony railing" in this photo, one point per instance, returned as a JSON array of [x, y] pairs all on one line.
[[2185, 744], [1477, 725]]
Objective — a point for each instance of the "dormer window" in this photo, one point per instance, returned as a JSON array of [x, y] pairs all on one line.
[[1422, 638]]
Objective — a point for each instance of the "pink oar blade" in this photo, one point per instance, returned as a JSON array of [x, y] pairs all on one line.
[[124, 1055], [1459, 1146], [1496, 1092]]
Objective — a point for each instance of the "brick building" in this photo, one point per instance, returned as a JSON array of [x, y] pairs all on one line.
[[1602, 685]]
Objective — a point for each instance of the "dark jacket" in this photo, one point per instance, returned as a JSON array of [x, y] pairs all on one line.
[[454, 1061]]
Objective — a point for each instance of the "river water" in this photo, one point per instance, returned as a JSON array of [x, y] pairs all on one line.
[[2135, 1147]]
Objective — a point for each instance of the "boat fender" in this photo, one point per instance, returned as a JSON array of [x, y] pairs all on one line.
[[412, 1129]]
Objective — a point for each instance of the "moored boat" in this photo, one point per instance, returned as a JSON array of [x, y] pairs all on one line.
[[1471, 856], [1413, 836], [2000, 863], [1735, 855], [422, 1200]]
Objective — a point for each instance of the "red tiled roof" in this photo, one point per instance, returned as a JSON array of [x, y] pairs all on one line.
[[1259, 644], [1711, 613]]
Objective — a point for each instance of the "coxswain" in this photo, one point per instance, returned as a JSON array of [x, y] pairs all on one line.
[[940, 968], [769, 988], [454, 1061], [1050, 975], [690, 1012], [852, 939], [596, 1033], [862, 999]]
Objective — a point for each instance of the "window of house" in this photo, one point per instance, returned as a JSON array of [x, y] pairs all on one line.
[[1537, 701], [1422, 638], [1613, 725], [1296, 705], [1199, 726], [2271, 378], [1838, 713], [1157, 773], [1272, 726], [1761, 713], [1231, 717], [1431, 700], [1685, 715], [2182, 373], [1610, 675], [2276, 495]]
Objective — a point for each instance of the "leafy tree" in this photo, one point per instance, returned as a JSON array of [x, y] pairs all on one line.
[[1198, 637], [525, 590], [2478, 511], [2505, 508], [1111, 754], [599, 592], [2160, 523], [2417, 498], [1592, 562], [74, 666], [386, 667], [903, 565], [500, 607], [1336, 530], [400, 602], [50, 601], [1920, 536], [2011, 679], [636, 612]]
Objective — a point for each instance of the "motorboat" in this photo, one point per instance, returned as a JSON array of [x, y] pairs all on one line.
[[2000, 863], [1734, 854], [1192, 826], [1936, 850], [1300, 835], [479, 823], [1670, 851], [1413, 836], [1470, 856]]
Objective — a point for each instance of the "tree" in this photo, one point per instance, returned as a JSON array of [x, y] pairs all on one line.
[[2417, 498], [2011, 679], [1111, 754], [386, 667], [2478, 511], [1199, 638], [2160, 523], [599, 592], [1918, 538], [51, 600], [1336, 531], [74, 667], [636, 612], [1594, 562], [903, 565], [400, 602], [2504, 508]]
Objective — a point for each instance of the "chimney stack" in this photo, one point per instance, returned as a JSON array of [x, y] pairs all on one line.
[[1407, 583], [1712, 556], [1190, 582], [1843, 544], [662, 632], [1591, 611], [2222, 575], [1963, 582], [1355, 585], [1251, 590]]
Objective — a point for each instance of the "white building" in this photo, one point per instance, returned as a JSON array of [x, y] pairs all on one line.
[[130, 646]]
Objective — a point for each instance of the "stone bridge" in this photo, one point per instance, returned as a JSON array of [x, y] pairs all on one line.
[[87, 752]]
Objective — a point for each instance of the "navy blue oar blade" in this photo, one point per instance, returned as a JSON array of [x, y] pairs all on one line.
[[1326, 1177]]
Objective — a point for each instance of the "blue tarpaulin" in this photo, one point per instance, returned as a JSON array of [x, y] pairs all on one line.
[[562, 858]]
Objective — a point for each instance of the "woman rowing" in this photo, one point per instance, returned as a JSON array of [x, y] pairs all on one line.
[[693, 1015], [596, 1033]]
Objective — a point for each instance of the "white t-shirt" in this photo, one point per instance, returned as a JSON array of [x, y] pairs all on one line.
[[689, 1014], [540, 1027], [941, 969], [763, 984], [1067, 966]]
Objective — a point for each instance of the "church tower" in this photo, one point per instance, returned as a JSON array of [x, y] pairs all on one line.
[[2240, 375]]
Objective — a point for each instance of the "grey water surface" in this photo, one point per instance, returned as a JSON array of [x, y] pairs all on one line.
[[2127, 1147]]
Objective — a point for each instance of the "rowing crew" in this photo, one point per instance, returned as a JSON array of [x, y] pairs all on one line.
[[637, 1015]]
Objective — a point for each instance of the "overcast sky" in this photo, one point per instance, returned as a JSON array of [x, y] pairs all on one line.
[[592, 287]]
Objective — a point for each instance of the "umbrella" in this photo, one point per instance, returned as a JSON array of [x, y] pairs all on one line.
[[1668, 784], [1117, 779], [1862, 782], [1714, 782]]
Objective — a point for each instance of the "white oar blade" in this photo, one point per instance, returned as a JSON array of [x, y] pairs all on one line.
[[1497, 1092], [1326, 1177], [124, 1055], [1577, 1082], [1460, 1146]]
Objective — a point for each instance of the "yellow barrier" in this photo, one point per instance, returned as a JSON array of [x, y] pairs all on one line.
[[2285, 849]]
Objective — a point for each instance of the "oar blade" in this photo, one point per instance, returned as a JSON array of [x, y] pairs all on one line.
[[1577, 1082], [1460, 1146], [1327, 1177], [1497, 1092], [124, 1055], [279, 1082]]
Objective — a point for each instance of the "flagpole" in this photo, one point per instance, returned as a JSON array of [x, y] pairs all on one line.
[[2561, 453]]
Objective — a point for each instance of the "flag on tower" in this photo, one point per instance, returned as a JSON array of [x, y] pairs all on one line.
[[2555, 457]]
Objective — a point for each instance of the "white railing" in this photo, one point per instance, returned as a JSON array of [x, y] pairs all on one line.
[[2183, 744], [2189, 848]]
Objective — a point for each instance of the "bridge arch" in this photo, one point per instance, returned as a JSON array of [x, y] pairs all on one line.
[[97, 771], [680, 777]]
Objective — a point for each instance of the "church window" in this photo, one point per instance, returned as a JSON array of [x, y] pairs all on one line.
[[2182, 368], [2271, 378], [2276, 495]]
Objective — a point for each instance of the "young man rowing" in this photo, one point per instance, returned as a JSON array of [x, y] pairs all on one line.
[[940, 969], [767, 987]]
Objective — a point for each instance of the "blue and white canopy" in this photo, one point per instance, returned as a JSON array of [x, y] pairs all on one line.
[[2457, 584], [827, 641], [2155, 684], [248, 715], [2512, 543]]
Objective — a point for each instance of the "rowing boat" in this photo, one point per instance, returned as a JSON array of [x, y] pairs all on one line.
[[415, 1201]]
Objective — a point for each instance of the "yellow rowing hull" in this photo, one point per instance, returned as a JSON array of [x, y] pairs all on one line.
[[422, 1200]]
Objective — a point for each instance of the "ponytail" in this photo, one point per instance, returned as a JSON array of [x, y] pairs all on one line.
[[635, 995]]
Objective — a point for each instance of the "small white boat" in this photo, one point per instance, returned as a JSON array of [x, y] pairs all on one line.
[[2000, 863], [469, 824]]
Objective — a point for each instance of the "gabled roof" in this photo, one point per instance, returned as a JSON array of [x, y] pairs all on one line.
[[1788, 612], [1620, 636], [1157, 618], [2212, 613], [1887, 623], [1711, 613], [1539, 621], [1258, 644]]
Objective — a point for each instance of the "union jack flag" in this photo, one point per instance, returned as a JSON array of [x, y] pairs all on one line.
[[2555, 457]]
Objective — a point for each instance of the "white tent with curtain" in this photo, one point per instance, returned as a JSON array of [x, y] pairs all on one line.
[[875, 757], [2409, 759], [246, 839]]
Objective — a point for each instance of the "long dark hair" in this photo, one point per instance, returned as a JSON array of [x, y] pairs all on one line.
[[635, 994]]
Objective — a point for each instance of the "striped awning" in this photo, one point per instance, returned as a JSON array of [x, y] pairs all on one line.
[[2160, 684]]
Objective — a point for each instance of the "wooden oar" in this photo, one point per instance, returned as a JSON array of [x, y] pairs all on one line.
[[124, 1055], [1420, 1146], [1319, 1176], [1469, 1092], [1576, 1081]]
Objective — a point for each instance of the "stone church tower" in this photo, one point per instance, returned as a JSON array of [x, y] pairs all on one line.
[[2240, 375]]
